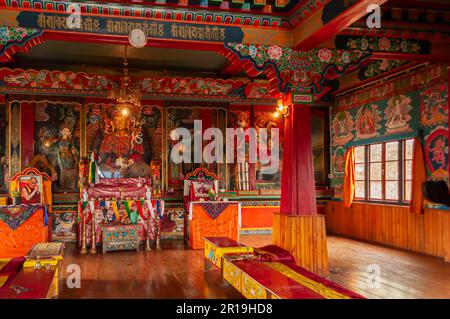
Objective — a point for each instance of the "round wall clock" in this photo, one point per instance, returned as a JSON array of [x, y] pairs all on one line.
[[137, 38]]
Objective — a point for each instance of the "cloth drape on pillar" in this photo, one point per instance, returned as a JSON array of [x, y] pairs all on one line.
[[419, 176], [349, 177], [298, 192]]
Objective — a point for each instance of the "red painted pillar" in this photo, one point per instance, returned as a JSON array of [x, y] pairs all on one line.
[[298, 192]]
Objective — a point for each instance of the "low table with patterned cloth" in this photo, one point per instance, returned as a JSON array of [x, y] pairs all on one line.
[[120, 237], [21, 227], [212, 219], [218, 247], [35, 276]]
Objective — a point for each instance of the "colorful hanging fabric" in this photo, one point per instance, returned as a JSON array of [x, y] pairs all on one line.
[[92, 169], [81, 208], [127, 204], [139, 204], [115, 206], [150, 208]]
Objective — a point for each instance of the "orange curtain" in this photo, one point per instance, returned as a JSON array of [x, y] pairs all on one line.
[[419, 176], [349, 177]]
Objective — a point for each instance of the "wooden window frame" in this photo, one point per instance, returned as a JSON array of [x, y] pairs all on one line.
[[401, 201]]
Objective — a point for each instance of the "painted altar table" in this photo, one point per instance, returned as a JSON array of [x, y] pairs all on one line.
[[95, 215], [21, 227], [212, 219]]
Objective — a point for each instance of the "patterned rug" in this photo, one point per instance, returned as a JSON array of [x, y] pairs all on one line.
[[15, 216]]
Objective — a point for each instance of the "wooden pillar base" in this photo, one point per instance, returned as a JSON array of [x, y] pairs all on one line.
[[446, 237], [304, 236]]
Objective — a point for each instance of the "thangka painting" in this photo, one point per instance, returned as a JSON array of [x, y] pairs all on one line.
[[266, 120], [3, 149], [172, 223], [342, 128], [368, 121], [184, 117], [397, 114], [338, 160], [125, 138], [436, 149], [57, 143], [434, 105], [64, 227]]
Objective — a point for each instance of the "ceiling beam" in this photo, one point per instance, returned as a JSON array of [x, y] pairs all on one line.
[[329, 21]]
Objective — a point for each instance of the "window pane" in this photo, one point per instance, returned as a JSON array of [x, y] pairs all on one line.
[[392, 151], [359, 190], [360, 172], [392, 190], [392, 171], [407, 194], [375, 171], [360, 154], [409, 149], [408, 170], [375, 190], [375, 153]]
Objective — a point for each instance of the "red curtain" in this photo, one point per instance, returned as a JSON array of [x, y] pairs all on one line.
[[349, 177], [419, 176]]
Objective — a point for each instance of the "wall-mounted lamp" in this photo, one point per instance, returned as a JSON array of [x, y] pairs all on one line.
[[282, 109]]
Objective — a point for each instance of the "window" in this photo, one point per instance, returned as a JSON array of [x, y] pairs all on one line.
[[383, 172]]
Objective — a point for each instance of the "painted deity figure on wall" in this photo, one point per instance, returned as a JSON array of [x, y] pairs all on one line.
[[339, 160], [397, 114], [436, 145], [57, 143], [342, 126], [433, 106], [368, 121]]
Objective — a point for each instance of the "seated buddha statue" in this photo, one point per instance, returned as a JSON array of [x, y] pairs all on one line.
[[120, 147]]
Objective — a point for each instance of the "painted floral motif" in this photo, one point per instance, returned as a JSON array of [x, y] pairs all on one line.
[[200, 86], [325, 55], [433, 105], [54, 79], [379, 67], [383, 44], [298, 69], [436, 145], [275, 52], [397, 114], [342, 126], [368, 121], [10, 35], [99, 84]]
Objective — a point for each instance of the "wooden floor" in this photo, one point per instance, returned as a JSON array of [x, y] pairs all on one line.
[[177, 272]]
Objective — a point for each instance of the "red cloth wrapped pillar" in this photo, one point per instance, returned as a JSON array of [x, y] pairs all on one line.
[[298, 192], [298, 228]]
